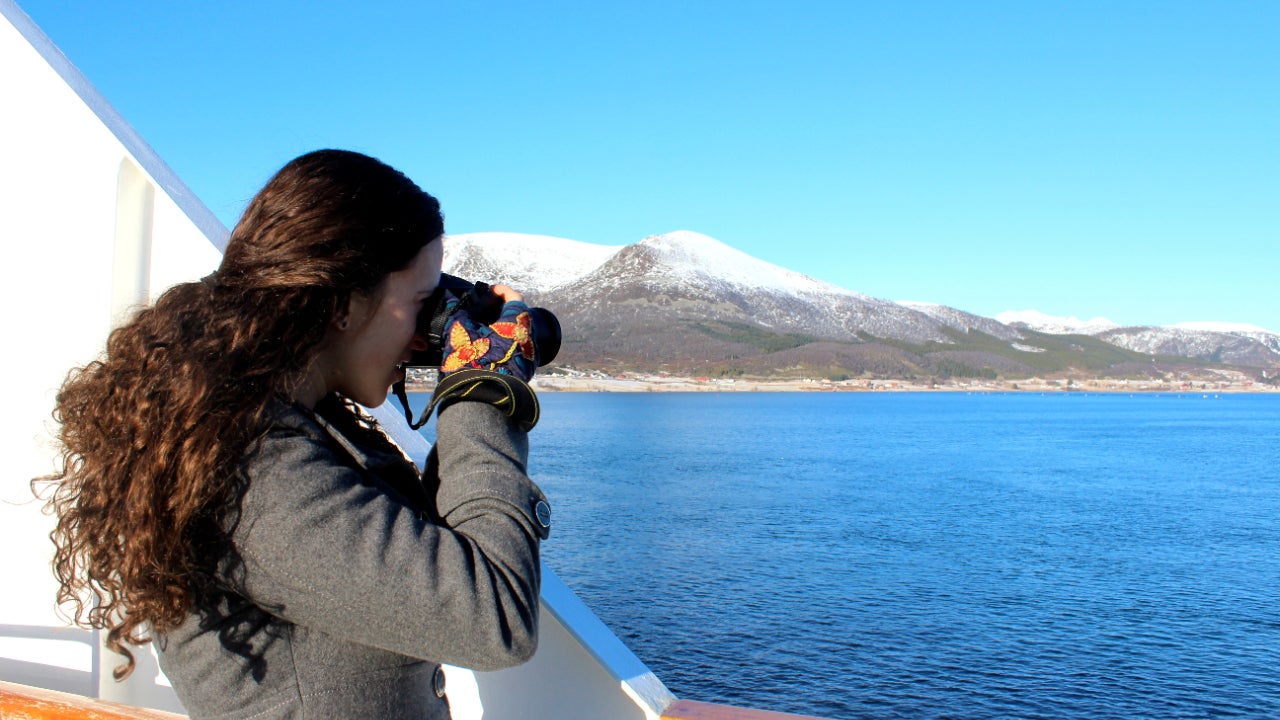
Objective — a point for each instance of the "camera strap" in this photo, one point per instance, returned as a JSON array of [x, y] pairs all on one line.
[[506, 392], [402, 395]]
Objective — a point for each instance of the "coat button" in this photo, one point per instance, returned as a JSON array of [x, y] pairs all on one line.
[[437, 682], [543, 512]]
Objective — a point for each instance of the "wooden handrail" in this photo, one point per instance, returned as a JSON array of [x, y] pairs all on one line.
[[694, 710], [23, 702]]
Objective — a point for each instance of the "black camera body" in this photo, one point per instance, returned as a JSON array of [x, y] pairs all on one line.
[[484, 307]]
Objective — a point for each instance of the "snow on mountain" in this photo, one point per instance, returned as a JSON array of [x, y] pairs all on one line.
[[691, 256], [635, 294], [1036, 320], [1255, 349], [691, 265], [1234, 343], [1241, 344], [963, 321], [529, 263], [689, 275], [1253, 333]]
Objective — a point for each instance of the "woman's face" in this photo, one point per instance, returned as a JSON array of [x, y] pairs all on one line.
[[364, 359]]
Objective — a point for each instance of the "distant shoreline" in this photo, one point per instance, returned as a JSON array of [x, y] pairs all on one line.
[[1034, 385]]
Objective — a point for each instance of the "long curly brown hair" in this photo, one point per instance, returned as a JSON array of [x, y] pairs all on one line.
[[153, 433]]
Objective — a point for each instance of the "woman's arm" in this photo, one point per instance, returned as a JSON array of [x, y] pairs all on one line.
[[324, 550]]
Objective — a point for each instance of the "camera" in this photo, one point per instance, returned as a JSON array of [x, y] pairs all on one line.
[[453, 294]]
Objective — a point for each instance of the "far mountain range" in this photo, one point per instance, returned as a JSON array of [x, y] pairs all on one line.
[[687, 304]]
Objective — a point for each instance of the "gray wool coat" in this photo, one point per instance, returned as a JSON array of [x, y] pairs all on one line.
[[345, 597]]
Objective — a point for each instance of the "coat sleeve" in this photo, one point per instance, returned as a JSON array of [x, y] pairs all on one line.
[[322, 549]]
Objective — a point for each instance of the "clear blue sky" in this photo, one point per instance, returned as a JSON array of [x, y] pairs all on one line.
[[1108, 158]]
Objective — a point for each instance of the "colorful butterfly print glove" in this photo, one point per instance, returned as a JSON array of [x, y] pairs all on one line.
[[504, 346]]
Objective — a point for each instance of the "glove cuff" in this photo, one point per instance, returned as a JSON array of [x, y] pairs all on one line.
[[505, 392]]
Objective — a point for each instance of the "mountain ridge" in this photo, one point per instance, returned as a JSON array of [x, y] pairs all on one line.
[[686, 302]]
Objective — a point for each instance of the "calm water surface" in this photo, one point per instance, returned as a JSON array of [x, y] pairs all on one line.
[[929, 555]]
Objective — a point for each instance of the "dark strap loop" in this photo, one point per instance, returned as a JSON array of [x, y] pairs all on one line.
[[505, 392]]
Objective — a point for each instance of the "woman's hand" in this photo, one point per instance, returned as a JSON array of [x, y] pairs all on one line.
[[506, 293], [505, 345]]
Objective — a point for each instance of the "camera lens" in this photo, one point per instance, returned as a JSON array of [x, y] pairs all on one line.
[[546, 334], [437, 312]]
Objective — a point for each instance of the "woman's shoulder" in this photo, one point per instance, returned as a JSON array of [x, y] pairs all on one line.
[[289, 420], [295, 447], [303, 446], [292, 428]]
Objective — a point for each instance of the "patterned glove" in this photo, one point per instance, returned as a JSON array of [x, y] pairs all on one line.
[[505, 346]]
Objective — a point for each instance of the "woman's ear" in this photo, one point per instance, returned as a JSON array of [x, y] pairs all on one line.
[[341, 315], [340, 318], [355, 305]]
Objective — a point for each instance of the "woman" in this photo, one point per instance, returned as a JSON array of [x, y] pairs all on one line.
[[221, 493]]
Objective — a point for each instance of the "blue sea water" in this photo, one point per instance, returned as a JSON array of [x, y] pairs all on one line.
[[929, 555]]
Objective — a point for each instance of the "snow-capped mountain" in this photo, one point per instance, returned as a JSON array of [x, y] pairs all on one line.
[[685, 299], [690, 258], [1231, 343], [1244, 330], [1040, 322], [529, 263], [689, 276], [1252, 348], [543, 263], [963, 321]]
